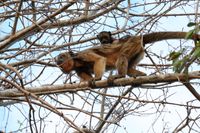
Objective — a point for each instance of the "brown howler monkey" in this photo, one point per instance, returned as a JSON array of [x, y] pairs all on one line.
[[105, 37], [123, 56]]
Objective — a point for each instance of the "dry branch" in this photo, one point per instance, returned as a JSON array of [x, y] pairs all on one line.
[[83, 86], [30, 30], [10, 40]]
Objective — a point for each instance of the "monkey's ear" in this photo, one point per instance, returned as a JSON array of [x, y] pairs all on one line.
[[71, 53], [109, 33], [97, 36]]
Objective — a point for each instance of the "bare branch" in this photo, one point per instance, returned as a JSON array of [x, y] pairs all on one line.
[[83, 86]]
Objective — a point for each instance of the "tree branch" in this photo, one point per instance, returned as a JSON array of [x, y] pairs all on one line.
[[30, 30], [83, 86], [10, 40], [192, 90]]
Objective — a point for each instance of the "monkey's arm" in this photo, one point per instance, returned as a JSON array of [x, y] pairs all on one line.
[[84, 75], [96, 59]]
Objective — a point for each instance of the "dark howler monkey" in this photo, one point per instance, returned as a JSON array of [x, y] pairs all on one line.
[[105, 37]]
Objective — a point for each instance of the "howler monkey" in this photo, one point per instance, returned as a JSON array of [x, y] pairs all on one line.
[[122, 55]]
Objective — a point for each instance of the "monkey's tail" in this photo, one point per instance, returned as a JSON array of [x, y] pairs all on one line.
[[159, 36]]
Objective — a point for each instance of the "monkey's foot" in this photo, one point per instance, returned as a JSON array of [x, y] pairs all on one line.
[[91, 82], [111, 79], [137, 74]]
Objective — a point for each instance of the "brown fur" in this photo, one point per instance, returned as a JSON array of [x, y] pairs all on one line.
[[121, 55]]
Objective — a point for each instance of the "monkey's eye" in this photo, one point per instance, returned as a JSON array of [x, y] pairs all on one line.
[[60, 59]]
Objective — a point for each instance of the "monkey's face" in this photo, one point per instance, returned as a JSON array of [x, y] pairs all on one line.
[[105, 37], [61, 58], [65, 61]]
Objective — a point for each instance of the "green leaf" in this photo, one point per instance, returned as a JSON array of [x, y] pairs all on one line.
[[185, 59], [177, 65], [197, 52], [197, 43], [190, 24], [197, 29], [189, 34], [174, 55]]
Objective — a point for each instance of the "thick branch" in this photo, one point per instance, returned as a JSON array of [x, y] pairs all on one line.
[[153, 79]]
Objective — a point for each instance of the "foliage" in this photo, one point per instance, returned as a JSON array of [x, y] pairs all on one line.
[[181, 63]]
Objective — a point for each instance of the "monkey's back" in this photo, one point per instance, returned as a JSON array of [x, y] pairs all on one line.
[[131, 48], [109, 51]]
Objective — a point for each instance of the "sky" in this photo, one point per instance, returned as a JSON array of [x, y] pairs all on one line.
[[137, 124]]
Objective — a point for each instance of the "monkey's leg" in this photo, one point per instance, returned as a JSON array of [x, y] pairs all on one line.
[[98, 67], [85, 76], [122, 66], [99, 63], [134, 73]]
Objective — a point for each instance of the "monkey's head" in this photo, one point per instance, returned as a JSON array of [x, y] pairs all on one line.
[[65, 62], [105, 37]]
